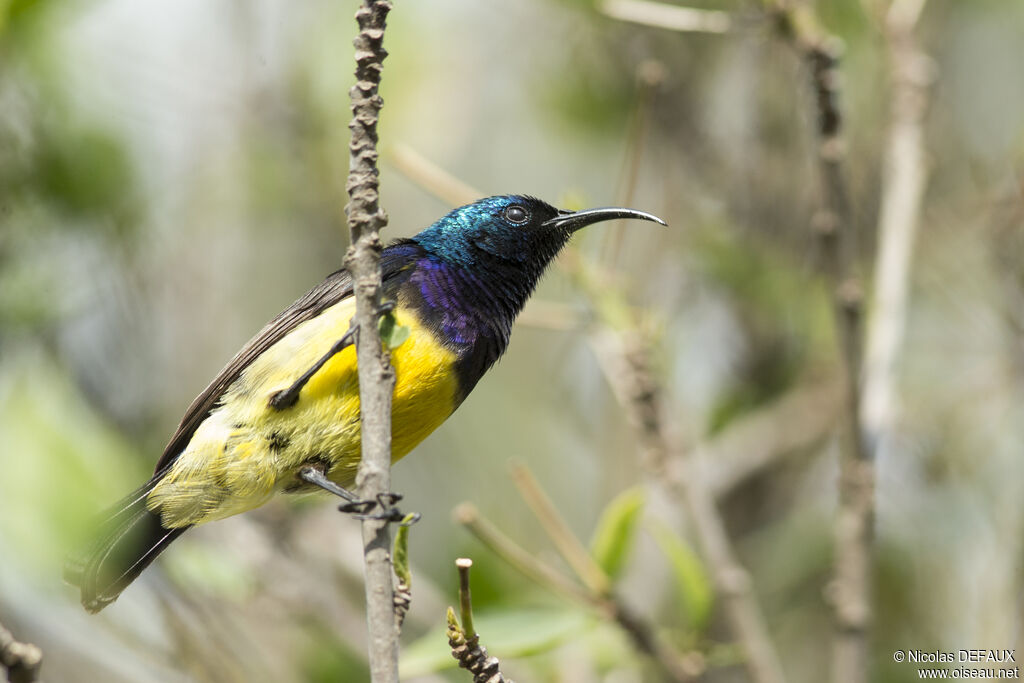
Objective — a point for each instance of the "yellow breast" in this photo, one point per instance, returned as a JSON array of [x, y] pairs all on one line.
[[245, 450]]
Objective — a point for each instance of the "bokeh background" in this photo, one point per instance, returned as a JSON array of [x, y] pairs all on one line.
[[172, 175]]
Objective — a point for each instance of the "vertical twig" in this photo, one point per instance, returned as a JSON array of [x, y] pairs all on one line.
[[854, 538], [463, 639], [21, 660], [903, 182], [463, 564], [376, 376], [650, 75]]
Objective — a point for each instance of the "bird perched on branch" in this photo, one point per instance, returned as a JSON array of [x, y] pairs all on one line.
[[283, 415]]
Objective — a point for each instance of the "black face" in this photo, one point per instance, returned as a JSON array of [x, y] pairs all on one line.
[[511, 228]]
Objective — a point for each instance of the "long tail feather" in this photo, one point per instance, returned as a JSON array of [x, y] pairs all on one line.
[[129, 539]]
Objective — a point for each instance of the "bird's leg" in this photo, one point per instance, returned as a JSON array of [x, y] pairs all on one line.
[[358, 508], [315, 475], [286, 398]]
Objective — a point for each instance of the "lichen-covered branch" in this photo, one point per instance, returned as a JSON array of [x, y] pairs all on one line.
[[20, 660], [376, 376]]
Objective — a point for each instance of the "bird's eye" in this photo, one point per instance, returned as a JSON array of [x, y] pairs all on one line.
[[516, 214]]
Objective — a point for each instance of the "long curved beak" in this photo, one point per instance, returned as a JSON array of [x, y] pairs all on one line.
[[574, 220]]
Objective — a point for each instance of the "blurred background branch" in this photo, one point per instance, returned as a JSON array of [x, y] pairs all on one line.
[[21, 661], [850, 594], [629, 370], [903, 184], [672, 17]]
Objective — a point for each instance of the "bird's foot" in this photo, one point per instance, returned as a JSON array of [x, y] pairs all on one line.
[[359, 508], [365, 509]]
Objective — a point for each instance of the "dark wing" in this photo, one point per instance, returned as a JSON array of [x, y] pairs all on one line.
[[395, 259]]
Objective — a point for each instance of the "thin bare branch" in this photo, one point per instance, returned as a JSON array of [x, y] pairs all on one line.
[[526, 563], [650, 75], [551, 315], [431, 177], [376, 376], [903, 183], [854, 537], [672, 17], [568, 546]]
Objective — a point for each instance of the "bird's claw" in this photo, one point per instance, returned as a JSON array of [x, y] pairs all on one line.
[[361, 509]]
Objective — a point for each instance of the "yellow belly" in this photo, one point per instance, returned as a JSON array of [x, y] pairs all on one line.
[[245, 451]]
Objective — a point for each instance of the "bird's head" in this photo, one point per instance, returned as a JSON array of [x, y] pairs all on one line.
[[512, 229]]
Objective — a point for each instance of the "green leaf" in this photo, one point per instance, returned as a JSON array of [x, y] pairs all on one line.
[[511, 633], [401, 553], [392, 334], [696, 593], [616, 530], [398, 337]]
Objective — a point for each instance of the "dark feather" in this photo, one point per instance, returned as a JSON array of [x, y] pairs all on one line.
[[129, 539]]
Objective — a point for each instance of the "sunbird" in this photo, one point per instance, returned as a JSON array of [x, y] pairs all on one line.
[[283, 415]]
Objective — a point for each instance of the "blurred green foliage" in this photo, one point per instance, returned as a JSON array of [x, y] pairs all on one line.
[[60, 461], [693, 586], [615, 532], [329, 659]]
